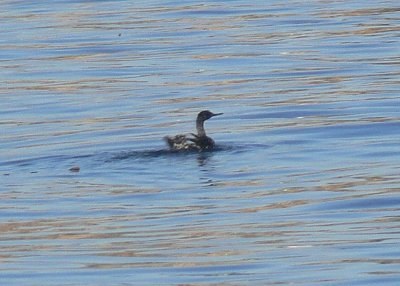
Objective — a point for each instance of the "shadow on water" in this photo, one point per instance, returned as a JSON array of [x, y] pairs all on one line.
[[163, 153], [154, 155], [35, 164]]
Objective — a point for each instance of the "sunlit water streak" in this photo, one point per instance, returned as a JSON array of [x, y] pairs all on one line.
[[302, 188]]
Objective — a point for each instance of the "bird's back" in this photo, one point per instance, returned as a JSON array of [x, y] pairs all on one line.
[[180, 143]]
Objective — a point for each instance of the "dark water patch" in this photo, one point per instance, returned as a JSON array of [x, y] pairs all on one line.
[[96, 161], [152, 154], [232, 268], [390, 277], [294, 142], [40, 159], [361, 204], [303, 22], [340, 130], [225, 11], [288, 114], [165, 153]]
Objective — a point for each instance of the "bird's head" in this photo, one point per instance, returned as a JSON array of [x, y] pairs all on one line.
[[206, 114]]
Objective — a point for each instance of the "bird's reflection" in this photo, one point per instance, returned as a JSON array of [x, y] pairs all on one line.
[[207, 168], [203, 158]]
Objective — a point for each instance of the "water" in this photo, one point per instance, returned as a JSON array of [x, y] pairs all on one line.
[[303, 188]]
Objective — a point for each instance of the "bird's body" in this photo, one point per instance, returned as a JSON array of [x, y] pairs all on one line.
[[180, 143], [199, 141]]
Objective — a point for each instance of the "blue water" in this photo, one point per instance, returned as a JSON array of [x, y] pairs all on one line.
[[302, 189]]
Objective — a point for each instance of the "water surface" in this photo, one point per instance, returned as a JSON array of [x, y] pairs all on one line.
[[303, 188]]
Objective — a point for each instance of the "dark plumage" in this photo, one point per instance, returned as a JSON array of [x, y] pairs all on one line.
[[199, 141]]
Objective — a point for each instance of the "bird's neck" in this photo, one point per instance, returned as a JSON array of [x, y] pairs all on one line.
[[200, 128]]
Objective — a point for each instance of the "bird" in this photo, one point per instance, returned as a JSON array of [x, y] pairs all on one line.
[[199, 141]]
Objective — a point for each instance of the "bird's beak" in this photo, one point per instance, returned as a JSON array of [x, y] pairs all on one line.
[[216, 114]]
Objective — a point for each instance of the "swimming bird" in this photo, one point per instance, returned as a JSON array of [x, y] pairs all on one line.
[[199, 141]]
